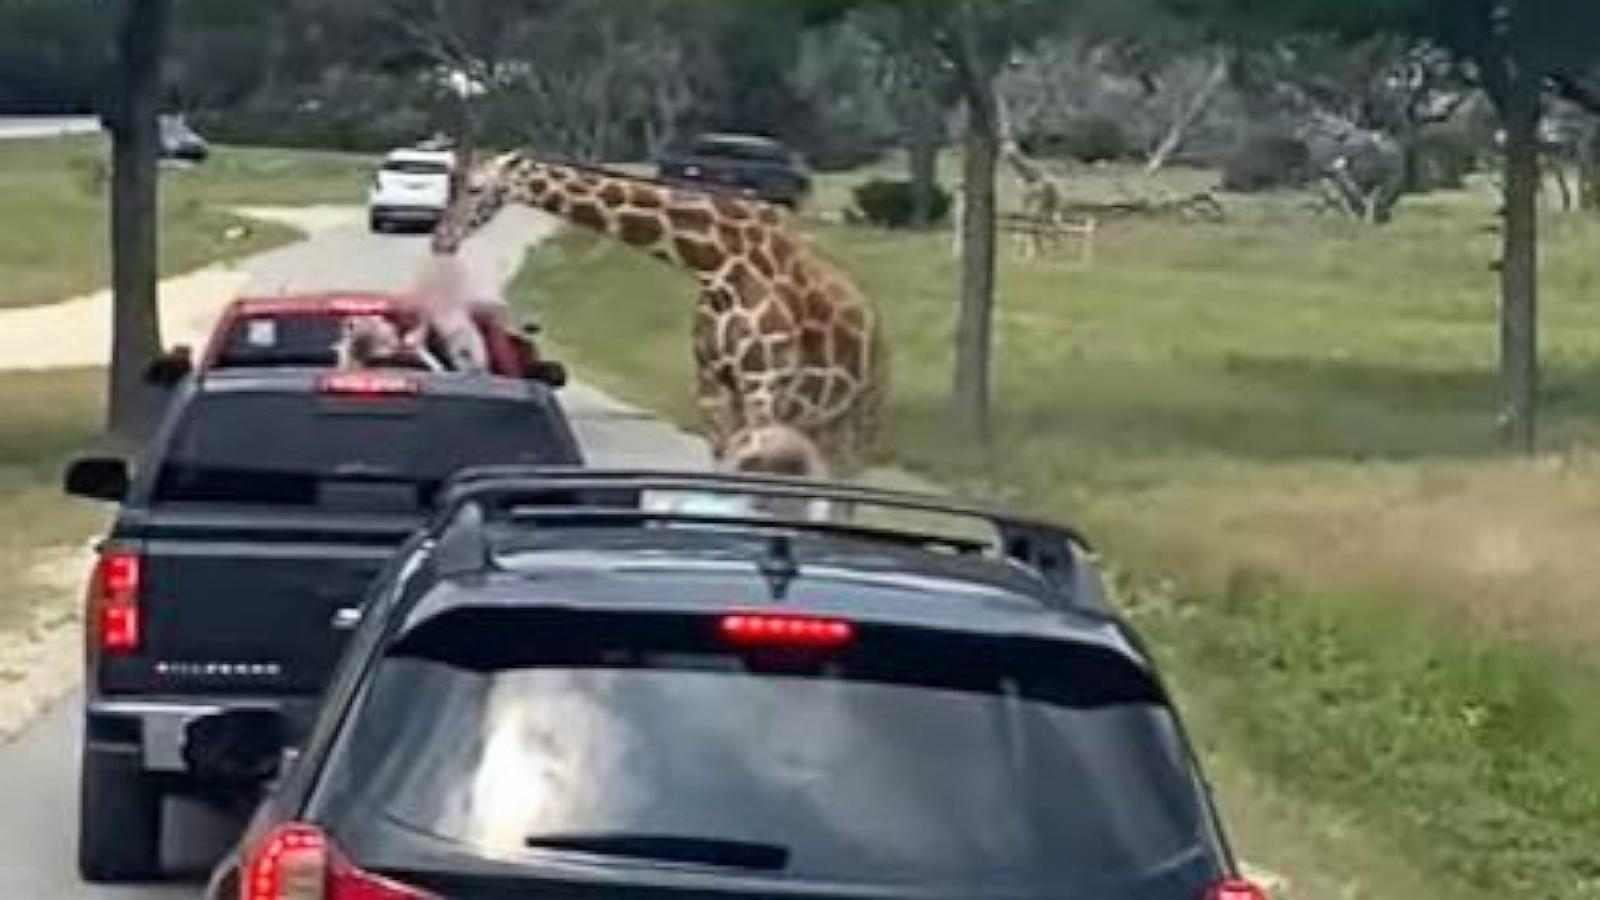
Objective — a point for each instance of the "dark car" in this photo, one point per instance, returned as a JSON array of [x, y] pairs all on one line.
[[746, 164], [246, 538], [569, 690], [180, 141]]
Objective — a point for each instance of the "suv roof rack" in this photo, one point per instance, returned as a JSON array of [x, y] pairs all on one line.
[[569, 496]]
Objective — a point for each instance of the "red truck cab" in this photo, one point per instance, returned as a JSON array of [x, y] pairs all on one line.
[[304, 330]]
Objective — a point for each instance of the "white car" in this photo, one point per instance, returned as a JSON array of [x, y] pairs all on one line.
[[412, 187]]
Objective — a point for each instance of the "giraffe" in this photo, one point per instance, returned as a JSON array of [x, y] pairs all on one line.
[[781, 336], [1043, 200]]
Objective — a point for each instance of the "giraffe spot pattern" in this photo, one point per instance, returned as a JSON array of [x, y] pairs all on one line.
[[639, 230], [778, 320], [763, 263], [731, 238], [691, 219], [730, 209], [644, 196], [697, 255], [783, 252], [588, 215]]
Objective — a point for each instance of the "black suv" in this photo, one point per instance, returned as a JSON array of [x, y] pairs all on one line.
[[746, 164], [245, 541], [568, 688]]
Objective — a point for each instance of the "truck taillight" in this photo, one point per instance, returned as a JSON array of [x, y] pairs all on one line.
[[368, 385], [114, 601], [1236, 889], [298, 862]]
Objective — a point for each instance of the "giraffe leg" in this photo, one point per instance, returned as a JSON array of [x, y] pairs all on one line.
[[719, 408]]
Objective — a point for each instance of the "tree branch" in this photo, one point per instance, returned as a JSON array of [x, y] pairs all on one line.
[[1575, 91]]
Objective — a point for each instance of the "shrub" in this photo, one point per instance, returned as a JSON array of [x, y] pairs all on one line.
[[1440, 159], [1097, 139], [891, 204], [1089, 140], [1267, 162]]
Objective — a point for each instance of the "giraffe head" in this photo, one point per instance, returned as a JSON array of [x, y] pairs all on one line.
[[477, 193]]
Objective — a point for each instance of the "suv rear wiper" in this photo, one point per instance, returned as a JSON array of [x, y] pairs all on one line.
[[718, 852]]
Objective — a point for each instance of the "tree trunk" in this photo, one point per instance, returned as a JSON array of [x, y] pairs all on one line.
[[1215, 79], [1519, 270], [974, 334], [923, 153], [1589, 171], [136, 323]]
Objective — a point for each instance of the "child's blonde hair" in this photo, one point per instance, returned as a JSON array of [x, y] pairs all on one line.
[[776, 450], [367, 340]]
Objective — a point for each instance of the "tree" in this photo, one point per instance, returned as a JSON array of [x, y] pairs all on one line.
[[135, 141], [917, 80], [1517, 52], [976, 39], [132, 111]]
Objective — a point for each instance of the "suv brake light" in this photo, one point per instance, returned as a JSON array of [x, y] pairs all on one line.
[[114, 601], [298, 862], [368, 384], [767, 630], [1236, 889]]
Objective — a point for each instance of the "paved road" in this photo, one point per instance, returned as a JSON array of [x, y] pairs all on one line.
[[17, 127], [38, 772]]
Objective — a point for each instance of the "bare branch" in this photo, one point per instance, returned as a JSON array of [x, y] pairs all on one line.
[[1577, 92]]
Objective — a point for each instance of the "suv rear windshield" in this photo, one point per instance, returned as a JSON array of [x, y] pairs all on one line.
[[415, 167], [749, 151], [303, 450], [886, 786]]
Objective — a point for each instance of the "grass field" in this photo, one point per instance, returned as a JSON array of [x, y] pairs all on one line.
[[1280, 429], [46, 418], [55, 242]]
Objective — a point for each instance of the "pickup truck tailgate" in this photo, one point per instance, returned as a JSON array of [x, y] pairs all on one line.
[[236, 605]]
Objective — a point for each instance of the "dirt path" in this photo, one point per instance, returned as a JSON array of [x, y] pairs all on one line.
[[77, 332]]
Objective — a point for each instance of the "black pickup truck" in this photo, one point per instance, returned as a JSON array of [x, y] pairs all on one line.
[[239, 560]]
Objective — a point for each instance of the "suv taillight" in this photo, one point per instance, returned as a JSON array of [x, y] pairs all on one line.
[[298, 862], [1236, 889], [114, 601]]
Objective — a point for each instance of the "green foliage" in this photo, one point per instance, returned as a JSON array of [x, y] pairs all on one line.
[[892, 204], [52, 53], [1441, 157], [1465, 743], [1096, 139], [1264, 162], [1531, 40]]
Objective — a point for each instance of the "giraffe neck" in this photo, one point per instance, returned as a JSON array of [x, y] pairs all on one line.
[[470, 208], [1024, 167], [692, 230]]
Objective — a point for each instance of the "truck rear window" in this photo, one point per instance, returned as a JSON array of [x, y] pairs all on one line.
[[283, 341], [301, 450]]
